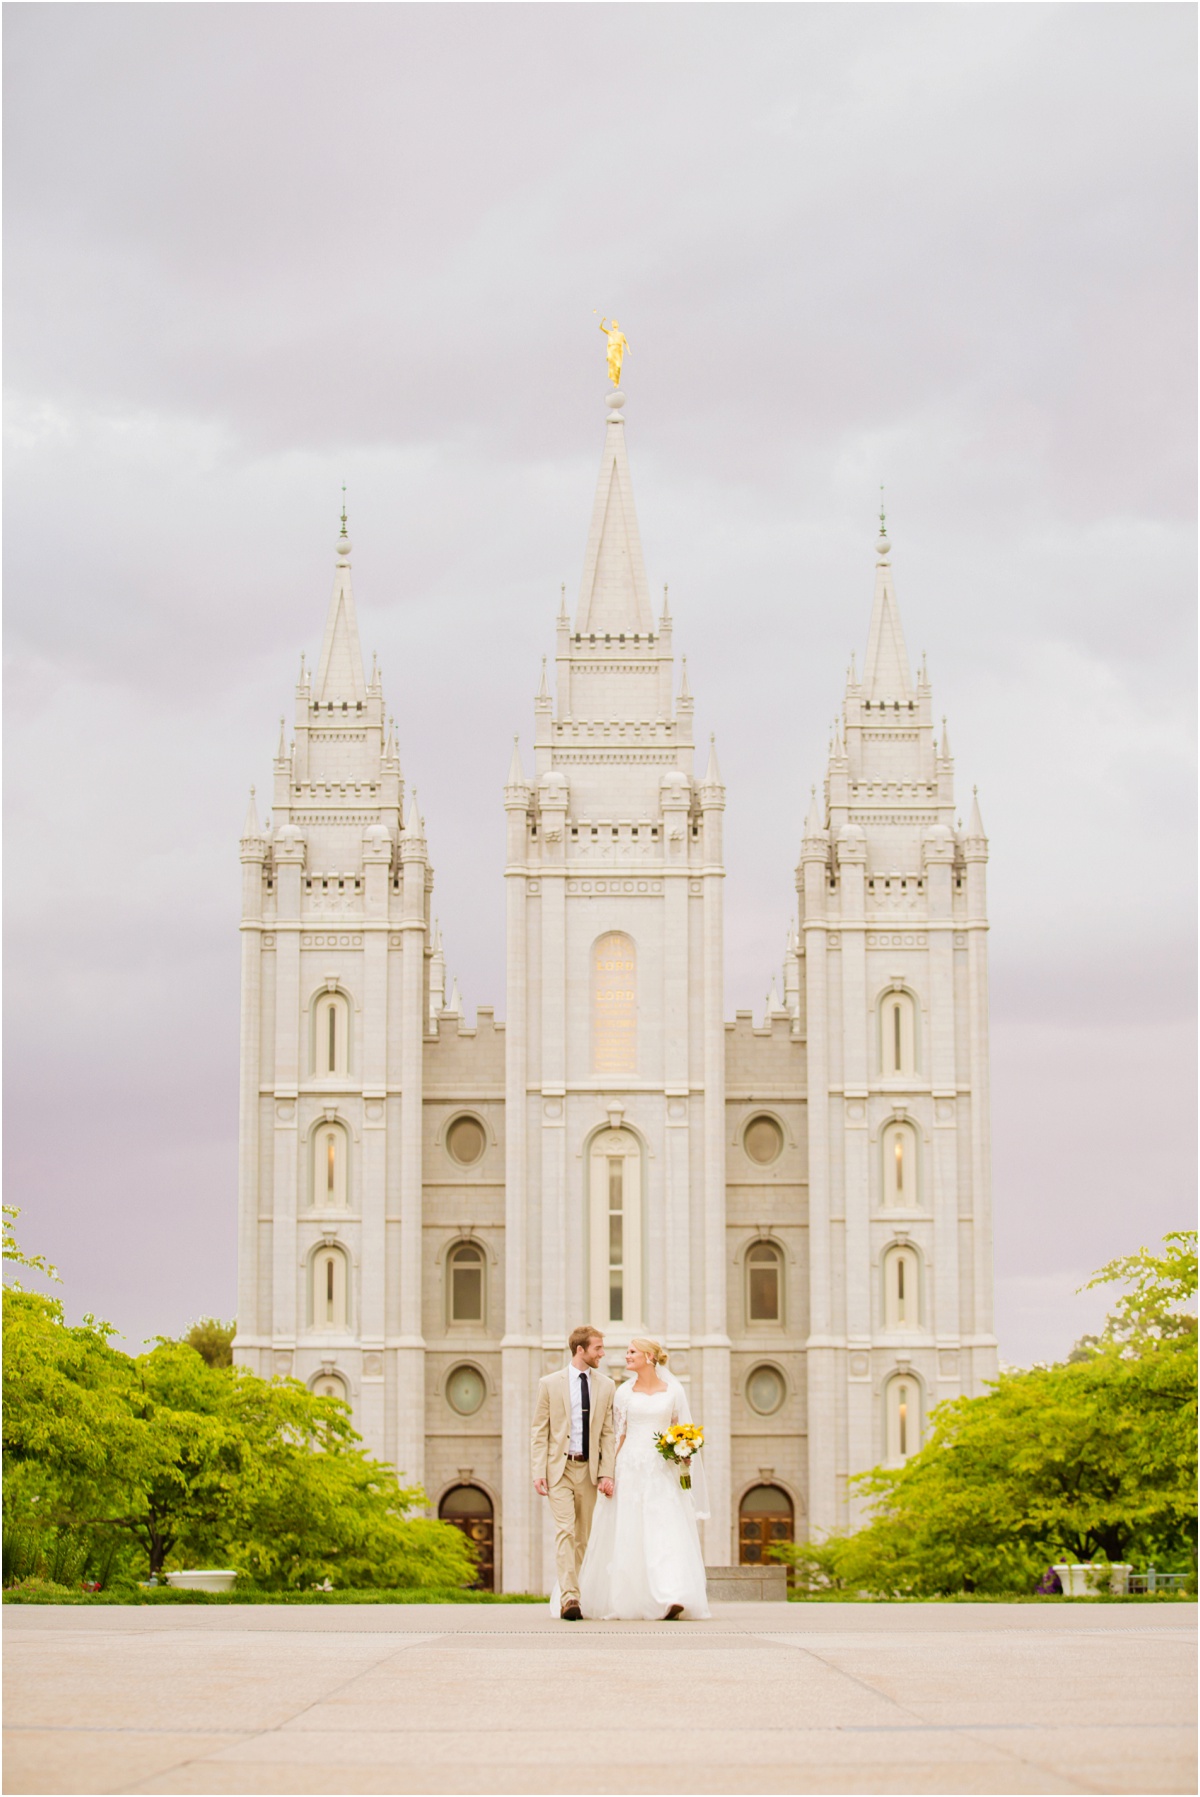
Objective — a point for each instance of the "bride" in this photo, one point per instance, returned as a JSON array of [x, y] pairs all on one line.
[[643, 1555]]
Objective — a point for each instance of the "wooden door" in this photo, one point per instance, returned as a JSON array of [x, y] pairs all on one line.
[[470, 1510]]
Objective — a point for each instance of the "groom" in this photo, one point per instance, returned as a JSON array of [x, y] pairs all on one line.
[[573, 1454]]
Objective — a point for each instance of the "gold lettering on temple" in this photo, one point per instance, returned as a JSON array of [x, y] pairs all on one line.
[[614, 1005]]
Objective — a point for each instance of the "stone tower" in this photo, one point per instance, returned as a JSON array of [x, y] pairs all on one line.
[[893, 922], [615, 1035], [334, 933]]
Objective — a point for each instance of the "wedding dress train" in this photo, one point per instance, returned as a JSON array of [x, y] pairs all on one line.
[[643, 1554]]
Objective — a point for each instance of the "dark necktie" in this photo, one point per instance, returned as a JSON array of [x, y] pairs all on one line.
[[585, 1405]]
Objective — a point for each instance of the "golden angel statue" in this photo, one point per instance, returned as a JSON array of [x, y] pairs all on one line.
[[617, 345]]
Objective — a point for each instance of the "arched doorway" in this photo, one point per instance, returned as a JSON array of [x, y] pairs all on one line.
[[470, 1510], [764, 1520]]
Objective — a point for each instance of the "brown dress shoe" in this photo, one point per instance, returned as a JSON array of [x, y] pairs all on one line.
[[572, 1613], [674, 1613]]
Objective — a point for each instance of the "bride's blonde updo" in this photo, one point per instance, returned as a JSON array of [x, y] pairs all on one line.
[[654, 1351]]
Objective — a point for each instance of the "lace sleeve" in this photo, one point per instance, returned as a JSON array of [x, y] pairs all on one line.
[[620, 1410]]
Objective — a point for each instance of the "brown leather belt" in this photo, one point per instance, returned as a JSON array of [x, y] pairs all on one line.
[[576, 1456]]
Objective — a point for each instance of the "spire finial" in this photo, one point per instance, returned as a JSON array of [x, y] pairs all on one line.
[[883, 545], [684, 689], [344, 544]]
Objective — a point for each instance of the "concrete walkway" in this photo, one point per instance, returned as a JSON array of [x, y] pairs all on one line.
[[764, 1698]]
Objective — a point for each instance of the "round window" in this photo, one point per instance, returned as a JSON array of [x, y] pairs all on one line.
[[766, 1390], [465, 1390], [465, 1140], [763, 1140]]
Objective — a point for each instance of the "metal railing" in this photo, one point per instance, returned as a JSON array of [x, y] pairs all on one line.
[[1157, 1581]]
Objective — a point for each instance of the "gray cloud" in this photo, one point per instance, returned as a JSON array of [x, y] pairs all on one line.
[[254, 251]]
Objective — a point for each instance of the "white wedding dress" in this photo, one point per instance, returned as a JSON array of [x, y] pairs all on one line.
[[643, 1554]]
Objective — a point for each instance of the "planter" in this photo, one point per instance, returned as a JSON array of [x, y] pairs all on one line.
[[742, 1584], [201, 1581], [1094, 1576]]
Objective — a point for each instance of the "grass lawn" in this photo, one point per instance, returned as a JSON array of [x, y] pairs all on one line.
[[42, 1591]]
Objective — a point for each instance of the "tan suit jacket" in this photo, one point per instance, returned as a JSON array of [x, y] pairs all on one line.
[[552, 1427]]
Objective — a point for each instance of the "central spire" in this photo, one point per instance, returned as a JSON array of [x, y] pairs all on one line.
[[614, 597], [340, 671], [886, 674]]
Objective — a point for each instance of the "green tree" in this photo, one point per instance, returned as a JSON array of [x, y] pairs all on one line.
[[14, 1254], [67, 1393], [1094, 1457], [271, 1478], [1159, 1305], [203, 1461], [212, 1340]]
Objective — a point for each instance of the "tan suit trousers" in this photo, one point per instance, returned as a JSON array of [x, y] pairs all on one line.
[[572, 1501]]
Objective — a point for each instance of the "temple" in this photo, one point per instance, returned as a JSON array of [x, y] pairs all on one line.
[[799, 1206]]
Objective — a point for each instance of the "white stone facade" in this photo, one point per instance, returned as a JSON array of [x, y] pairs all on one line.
[[800, 1210]]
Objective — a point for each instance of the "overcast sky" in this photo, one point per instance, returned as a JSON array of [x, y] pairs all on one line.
[[254, 251]]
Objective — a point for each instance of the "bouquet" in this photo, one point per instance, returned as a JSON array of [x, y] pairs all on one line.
[[677, 1444]]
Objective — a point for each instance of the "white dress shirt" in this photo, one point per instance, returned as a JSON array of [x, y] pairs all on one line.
[[574, 1376]]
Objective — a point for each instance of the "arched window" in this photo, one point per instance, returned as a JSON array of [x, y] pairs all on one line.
[[898, 1035], [466, 1269], [330, 1385], [900, 1165], [470, 1510], [901, 1289], [330, 1305], [764, 1283], [902, 1417], [764, 1520], [330, 1166], [331, 1035], [615, 1235], [614, 1004]]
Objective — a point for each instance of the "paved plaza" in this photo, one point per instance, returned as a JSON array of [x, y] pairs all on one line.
[[458, 1698]]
